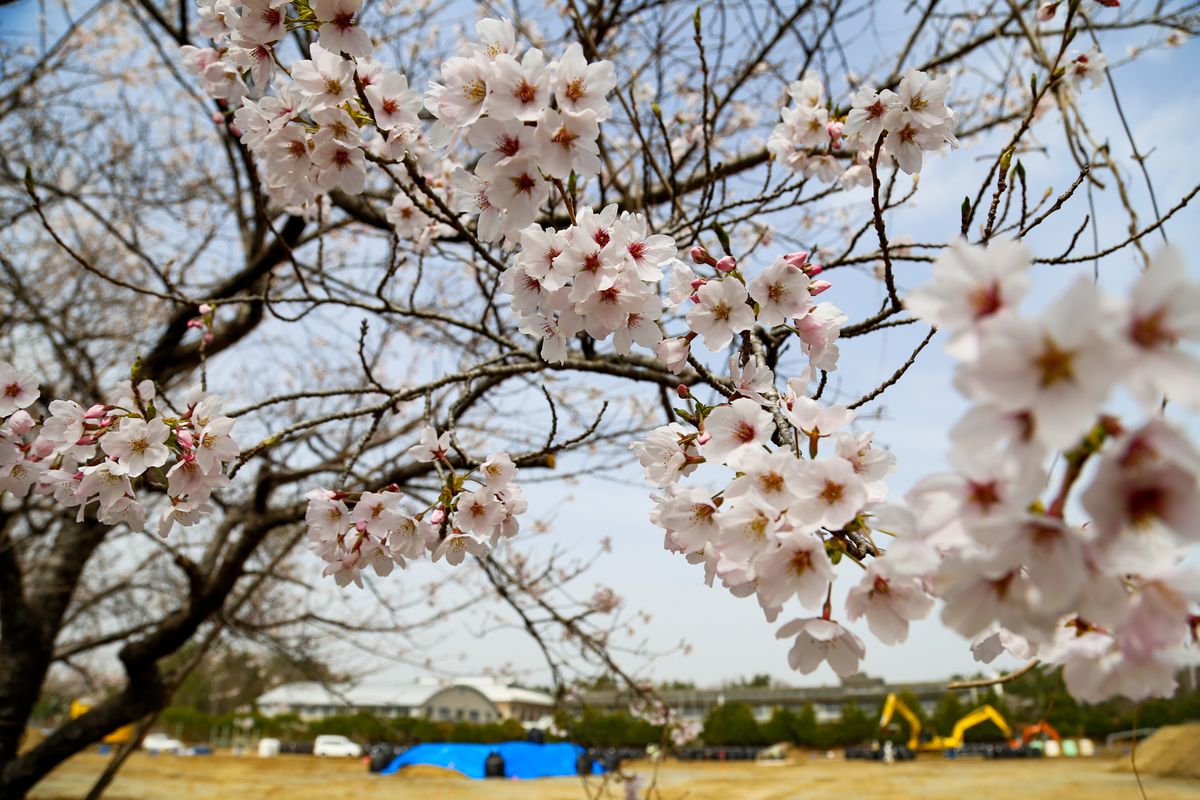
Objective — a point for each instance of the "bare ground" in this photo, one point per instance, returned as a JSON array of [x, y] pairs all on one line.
[[227, 777]]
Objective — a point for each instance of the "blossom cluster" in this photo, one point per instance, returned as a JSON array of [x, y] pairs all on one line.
[[600, 275], [102, 454], [384, 529], [1108, 597], [727, 305], [315, 126], [813, 141], [1111, 598], [531, 121], [311, 135], [802, 488]]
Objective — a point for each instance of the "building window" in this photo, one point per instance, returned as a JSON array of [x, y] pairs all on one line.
[[474, 715], [444, 713]]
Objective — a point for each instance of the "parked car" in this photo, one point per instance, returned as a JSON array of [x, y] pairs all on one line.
[[382, 754], [161, 743], [336, 746]]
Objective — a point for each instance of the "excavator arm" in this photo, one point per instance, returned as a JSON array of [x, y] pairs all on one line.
[[1037, 729], [977, 717], [890, 707]]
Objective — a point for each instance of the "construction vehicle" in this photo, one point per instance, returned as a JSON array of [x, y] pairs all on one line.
[[1040, 730], [931, 741], [119, 736]]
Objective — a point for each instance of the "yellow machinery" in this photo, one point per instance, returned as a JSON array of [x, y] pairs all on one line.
[[119, 736], [890, 707], [935, 742]]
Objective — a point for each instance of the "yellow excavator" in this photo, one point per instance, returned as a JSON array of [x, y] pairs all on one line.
[[934, 742], [119, 736]]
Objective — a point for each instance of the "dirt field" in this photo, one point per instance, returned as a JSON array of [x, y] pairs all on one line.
[[225, 777]]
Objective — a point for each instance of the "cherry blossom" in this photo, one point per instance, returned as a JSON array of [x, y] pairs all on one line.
[[736, 432], [519, 89], [1163, 312], [889, 599], [781, 291], [393, 103], [971, 286], [18, 388], [799, 567], [138, 445], [1057, 368], [666, 454], [1089, 66], [1145, 484], [432, 447], [326, 80], [339, 31], [720, 313], [819, 640], [579, 86]]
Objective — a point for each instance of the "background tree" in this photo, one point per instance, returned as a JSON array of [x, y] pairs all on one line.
[[731, 724], [781, 727], [855, 726]]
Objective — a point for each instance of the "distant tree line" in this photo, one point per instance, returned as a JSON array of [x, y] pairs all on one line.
[[1035, 696], [196, 726]]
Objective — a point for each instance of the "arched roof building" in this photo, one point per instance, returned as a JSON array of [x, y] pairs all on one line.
[[468, 700]]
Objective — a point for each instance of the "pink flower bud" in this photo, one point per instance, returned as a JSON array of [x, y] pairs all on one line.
[[835, 130], [95, 412], [43, 448], [195, 323], [727, 264], [674, 353], [437, 516], [696, 284], [234, 130], [1047, 11], [703, 438], [797, 259], [208, 337], [205, 308], [812, 270], [360, 526], [84, 441], [1109, 3], [185, 438], [700, 255], [218, 118], [683, 392], [20, 422], [816, 287]]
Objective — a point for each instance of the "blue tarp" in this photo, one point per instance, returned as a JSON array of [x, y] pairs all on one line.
[[521, 759]]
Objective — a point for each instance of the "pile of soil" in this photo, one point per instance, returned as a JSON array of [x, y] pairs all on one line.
[[1172, 752]]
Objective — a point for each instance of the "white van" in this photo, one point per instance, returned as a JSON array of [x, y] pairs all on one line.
[[161, 743], [336, 746]]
